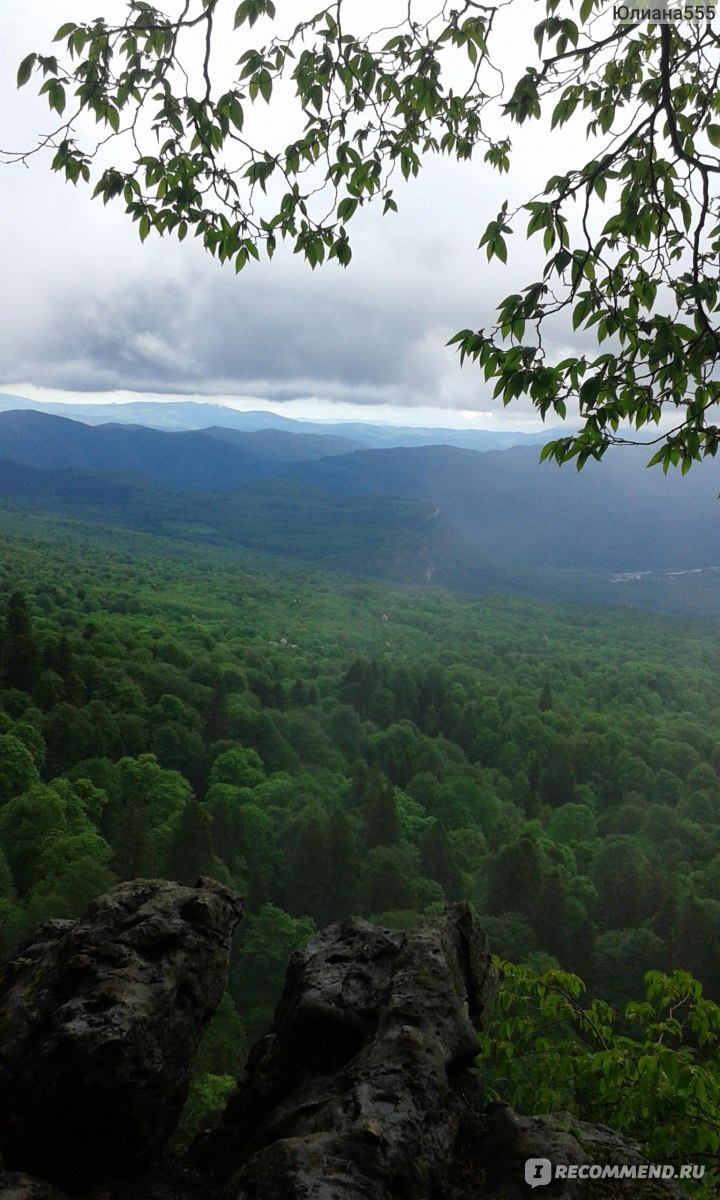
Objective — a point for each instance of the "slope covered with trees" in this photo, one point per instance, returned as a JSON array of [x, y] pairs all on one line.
[[331, 747], [439, 514]]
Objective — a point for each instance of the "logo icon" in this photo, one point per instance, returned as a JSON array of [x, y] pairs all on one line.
[[538, 1171]]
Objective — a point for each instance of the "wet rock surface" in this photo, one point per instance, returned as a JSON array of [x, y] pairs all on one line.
[[99, 1022]]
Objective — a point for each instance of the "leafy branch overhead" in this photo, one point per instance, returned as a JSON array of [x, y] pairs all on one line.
[[630, 236]]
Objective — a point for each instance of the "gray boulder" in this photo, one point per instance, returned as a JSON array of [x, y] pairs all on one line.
[[99, 1021], [17, 1186]]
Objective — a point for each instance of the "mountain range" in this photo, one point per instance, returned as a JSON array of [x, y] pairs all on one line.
[[184, 415], [459, 518], [213, 459]]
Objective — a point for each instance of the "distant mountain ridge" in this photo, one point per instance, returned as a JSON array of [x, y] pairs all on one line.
[[505, 505], [457, 518], [198, 460], [281, 446], [186, 415]]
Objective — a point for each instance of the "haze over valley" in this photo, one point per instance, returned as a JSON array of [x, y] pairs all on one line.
[[442, 514]]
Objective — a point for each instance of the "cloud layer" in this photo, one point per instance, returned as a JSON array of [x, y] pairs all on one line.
[[86, 308]]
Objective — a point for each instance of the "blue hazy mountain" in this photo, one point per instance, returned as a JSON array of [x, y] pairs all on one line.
[[279, 445], [185, 415], [189, 460], [457, 518]]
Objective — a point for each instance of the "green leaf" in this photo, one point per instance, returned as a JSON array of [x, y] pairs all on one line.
[[25, 69], [580, 312], [346, 208], [236, 114], [499, 248], [56, 97], [242, 14], [713, 132], [65, 31]]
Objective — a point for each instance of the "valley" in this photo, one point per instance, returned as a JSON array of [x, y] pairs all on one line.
[[464, 520]]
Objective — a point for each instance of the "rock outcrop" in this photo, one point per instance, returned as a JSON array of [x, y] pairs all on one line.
[[365, 1088], [354, 1091], [99, 1022]]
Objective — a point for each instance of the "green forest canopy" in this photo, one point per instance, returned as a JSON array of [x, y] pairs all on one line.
[[329, 746], [630, 233]]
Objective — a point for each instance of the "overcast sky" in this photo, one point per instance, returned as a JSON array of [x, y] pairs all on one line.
[[89, 313]]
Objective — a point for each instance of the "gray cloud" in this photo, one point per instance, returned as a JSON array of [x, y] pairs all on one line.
[[86, 308], [165, 318]]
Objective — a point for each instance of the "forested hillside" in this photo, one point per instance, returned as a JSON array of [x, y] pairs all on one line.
[[437, 515], [331, 746]]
